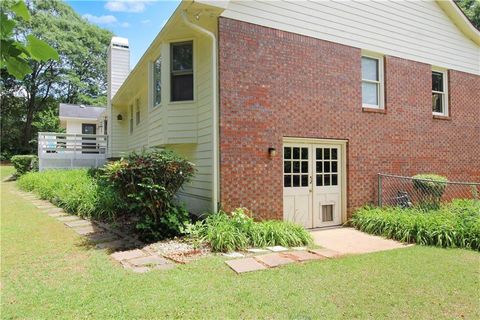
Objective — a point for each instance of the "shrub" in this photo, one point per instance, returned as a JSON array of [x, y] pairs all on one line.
[[147, 183], [453, 225], [237, 231], [76, 191], [24, 163], [431, 188]]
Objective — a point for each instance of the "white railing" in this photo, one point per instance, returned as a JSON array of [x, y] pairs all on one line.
[[66, 150]]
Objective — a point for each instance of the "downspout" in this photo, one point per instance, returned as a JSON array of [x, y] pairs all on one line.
[[215, 174]]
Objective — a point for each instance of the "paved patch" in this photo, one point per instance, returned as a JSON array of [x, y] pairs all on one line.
[[245, 265], [68, 218], [78, 223], [126, 255], [351, 241], [277, 249], [83, 231], [302, 256], [274, 259], [327, 253], [148, 261], [233, 255], [256, 250]]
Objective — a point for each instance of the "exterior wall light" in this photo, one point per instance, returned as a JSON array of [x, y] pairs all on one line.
[[119, 117], [272, 152]]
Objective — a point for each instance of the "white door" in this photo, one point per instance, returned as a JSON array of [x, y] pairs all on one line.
[[312, 188]]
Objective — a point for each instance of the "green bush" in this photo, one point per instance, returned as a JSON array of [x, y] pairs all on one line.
[[452, 225], [24, 163], [237, 231], [431, 188], [147, 183], [76, 191]]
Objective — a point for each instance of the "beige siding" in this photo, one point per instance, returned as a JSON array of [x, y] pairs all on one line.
[[415, 30]]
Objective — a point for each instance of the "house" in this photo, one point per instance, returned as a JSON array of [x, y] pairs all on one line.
[[82, 119], [292, 108]]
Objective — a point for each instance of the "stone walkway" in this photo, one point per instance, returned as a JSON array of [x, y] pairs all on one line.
[[129, 252]]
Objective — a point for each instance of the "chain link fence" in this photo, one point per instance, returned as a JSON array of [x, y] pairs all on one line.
[[407, 192]]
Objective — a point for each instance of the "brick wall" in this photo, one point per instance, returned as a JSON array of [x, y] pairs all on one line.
[[275, 84]]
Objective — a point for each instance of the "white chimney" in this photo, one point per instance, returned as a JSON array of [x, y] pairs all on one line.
[[118, 65]]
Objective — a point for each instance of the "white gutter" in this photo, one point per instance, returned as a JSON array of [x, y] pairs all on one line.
[[215, 193]]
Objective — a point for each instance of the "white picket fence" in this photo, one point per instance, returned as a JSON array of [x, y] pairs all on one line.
[[68, 151]]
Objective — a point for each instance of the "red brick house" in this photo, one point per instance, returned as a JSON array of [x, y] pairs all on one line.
[[292, 108]]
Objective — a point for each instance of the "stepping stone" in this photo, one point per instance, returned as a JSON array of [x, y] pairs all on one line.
[[326, 253], [85, 230], [148, 261], [68, 218], [299, 248], [57, 214], [126, 255], [99, 237], [303, 256], [257, 250], [245, 265], [53, 210], [277, 249], [78, 223], [233, 255], [273, 259], [112, 245], [139, 269]]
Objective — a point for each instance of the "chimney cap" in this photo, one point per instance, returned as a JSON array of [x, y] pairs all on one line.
[[119, 41]]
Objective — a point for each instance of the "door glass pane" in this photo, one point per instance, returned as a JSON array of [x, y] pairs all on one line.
[[334, 180], [370, 93], [296, 181], [304, 180], [305, 153], [296, 153], [369, 69], [287, 181], [296, 166], [287, 167], [304, 166], [319, 167], [319, 180], [326, 179], [287, 153], [326, 166], [327, 212]]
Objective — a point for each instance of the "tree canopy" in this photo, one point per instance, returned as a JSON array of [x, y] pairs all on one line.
[[471, 8]]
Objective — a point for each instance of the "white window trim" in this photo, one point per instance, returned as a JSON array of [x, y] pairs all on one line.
[[380, 82], [445, 106]]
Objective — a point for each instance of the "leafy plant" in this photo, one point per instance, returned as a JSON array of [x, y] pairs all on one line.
[[24, 163], [237, 231], [431, 188], [147, 183], [456, 224]]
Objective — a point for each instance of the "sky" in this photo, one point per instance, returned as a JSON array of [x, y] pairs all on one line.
[[138, 21]]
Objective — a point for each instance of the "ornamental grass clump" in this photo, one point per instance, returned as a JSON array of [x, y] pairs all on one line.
[[456, 224], [237, 231]]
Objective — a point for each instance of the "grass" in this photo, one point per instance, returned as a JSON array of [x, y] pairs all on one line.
[[47, 272], [456, 224]]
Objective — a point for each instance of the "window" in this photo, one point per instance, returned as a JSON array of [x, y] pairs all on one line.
[[372, 82], [181, 62], [131, 118], [439, 93], [157, 82], [137, 112]]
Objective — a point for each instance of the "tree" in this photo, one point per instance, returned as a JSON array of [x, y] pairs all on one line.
[[471, 8], [78, 76]]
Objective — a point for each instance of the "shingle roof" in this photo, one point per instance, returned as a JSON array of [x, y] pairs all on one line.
[[80, 111]]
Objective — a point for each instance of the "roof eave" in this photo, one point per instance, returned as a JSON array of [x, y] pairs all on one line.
[[460, 20]]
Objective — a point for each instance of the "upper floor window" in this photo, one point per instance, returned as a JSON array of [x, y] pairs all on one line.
[[131, 118], [181, 68], [439, 92], [372, 82], [137, 111], [157, 82]]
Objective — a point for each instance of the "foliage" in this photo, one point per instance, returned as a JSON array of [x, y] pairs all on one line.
[[237, 231], [147, 183], [16, 54], [25, 163], [76, 191], [431, 187], [453, 225], [78, 76], [471, 8]]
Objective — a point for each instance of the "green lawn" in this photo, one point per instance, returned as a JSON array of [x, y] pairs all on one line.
[[47, 273]]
